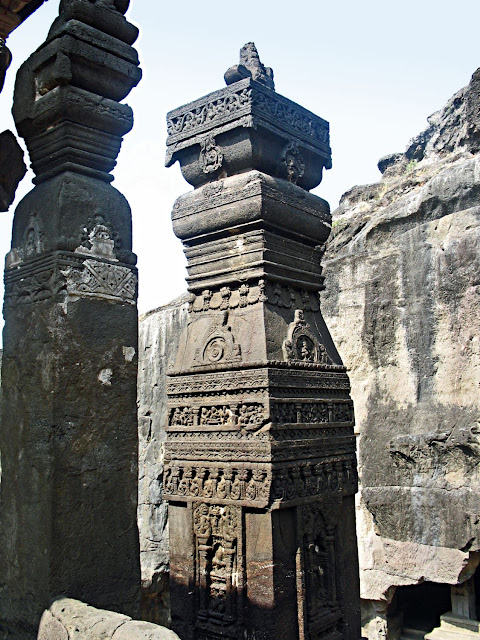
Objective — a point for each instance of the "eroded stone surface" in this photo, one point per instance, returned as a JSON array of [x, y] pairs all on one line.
[[402, 303], [68, 437], [69, 619], [159, 335]]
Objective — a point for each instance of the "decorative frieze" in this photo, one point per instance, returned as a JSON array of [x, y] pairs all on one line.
[[259, 486]]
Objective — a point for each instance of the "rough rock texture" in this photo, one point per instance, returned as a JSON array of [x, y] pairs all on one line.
[[68, 619], [159, 335], [402, 302]]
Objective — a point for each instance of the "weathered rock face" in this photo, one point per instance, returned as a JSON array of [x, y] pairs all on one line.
[[159, 335], [402, 302]]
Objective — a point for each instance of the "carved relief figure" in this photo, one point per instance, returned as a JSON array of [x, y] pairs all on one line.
[[211, 156]]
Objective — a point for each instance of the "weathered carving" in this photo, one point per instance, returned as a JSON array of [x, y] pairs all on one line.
[[293, 162], [102, 280], [219, 344], [251, 486], [250, 66], [322, 613], [211, 156], [301, 345], [217, 530]]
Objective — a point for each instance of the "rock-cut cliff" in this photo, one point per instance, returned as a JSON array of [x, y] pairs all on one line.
[[402, 272]]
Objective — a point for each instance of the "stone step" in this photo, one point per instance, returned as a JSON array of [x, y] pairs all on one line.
[[455, 628], [412, 634]]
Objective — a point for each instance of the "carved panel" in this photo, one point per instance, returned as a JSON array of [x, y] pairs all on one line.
[[102, 280], [219, 344], [217, 532], [318, 545], [211, 156], [254, 486]]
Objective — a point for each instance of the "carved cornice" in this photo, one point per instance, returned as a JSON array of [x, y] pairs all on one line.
[[246, 98]]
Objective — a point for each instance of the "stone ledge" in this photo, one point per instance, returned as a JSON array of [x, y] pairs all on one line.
[[68, 619]]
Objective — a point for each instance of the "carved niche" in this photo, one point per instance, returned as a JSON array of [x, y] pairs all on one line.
[[219, 344], [293, 162], [211, 156], [322, 612], [301, 344]]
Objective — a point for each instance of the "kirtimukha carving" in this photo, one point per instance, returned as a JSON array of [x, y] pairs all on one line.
[[68, 437], [260, 467]]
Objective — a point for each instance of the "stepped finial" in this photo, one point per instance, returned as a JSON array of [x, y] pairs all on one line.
[[250, 66]]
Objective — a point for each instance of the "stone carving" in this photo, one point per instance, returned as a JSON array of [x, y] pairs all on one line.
[[250, 66], [323, 616], [211, 156], [102, 280], [247, 294], [219, 343], [181, 416], [100, 241], [217, 531], [301, 344], [255, 429], [293, 162], [251, 486]]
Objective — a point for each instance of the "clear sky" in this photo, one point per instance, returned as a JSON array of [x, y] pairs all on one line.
[[375, 69]]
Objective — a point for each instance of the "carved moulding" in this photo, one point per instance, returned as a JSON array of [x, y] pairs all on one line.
[[102, 280], [235, 297], [255, 485], [253, 414], [301, 344], [249, 415], [68, 273], [283, 380]]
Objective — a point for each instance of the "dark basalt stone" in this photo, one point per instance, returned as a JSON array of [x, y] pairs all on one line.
[[248, 126], [68, 437], [12, 168], [259, 467]]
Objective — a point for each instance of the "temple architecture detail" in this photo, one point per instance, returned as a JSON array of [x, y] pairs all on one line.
[[68, 436], [260, 466]]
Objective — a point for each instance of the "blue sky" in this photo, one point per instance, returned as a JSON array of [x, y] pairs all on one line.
[[374, 69]]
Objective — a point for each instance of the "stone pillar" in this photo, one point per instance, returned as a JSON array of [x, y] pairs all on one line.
[[260, 468], [69, 429]]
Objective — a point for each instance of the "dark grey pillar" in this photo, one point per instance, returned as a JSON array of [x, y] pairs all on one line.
[[69, 429], [260, 468]]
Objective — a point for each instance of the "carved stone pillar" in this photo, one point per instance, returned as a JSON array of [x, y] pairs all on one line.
[[267, 473], [68, 436]]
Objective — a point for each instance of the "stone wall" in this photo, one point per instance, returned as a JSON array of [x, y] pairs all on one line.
[[159, 335], [402, 303]]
